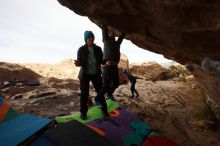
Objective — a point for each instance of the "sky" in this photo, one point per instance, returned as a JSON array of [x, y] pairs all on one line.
[[43, 31]]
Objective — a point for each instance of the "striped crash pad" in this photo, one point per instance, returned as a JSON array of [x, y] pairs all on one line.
[[93, 113], [6, 112]]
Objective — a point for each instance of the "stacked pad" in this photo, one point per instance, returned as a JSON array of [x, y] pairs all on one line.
[[16, 128], [93, 114]]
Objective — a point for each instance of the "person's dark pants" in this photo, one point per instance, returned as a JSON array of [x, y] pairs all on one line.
[[110, 81], [133, 90], [84, 87]]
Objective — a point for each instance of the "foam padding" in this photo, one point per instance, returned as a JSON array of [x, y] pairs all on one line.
[[42, 141], [93, 114], [122, 130], [3, 111], [6, 112], [21, 128], [113, 130], [11, 115], [159, 141], [74, 133]]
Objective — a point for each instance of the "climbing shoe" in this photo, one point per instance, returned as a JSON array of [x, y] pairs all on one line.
[[83, 116]]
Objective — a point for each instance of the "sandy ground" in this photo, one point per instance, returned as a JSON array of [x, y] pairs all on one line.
[[176, 108]]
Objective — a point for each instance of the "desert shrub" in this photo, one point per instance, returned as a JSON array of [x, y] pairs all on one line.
[[179, 71]]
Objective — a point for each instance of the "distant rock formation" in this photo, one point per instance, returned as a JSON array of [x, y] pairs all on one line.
[[150, 71], [63, 70], [67, 70]]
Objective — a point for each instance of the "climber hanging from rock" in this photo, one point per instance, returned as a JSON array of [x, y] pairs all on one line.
[[132, 79], [111, 58], [90, 58]]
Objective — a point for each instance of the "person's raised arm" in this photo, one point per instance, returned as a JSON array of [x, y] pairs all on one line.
[[120, 39], [104, 32]]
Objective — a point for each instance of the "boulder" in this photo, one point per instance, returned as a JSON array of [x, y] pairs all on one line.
[[150, 71]]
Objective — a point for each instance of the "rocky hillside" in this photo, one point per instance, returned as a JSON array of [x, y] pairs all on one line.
[[10, 71], [67, 70], [63, 70]]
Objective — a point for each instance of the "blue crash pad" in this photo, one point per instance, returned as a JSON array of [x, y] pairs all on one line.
[[21, 128], [42, 141]]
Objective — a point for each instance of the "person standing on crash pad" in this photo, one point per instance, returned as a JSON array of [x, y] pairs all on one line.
[[90, 58], [111, 58], [132, 80]]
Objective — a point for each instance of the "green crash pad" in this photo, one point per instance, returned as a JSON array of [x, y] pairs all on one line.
[[93, 113]]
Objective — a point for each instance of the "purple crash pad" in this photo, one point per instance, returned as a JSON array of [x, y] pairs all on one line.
[[116, 128]]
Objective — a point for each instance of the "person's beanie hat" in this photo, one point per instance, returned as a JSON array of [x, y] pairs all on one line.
[[88, 34]]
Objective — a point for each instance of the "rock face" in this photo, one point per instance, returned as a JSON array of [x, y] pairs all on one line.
[[211, 82], [150, 71], [186, 31]]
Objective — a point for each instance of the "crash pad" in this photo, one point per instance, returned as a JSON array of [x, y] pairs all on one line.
[[159, 141], [140, 132], [125, 129], [74, 133], [6, 112], [19, 129], [125, 118], [42, 141], [114, 132], [93, 113]]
